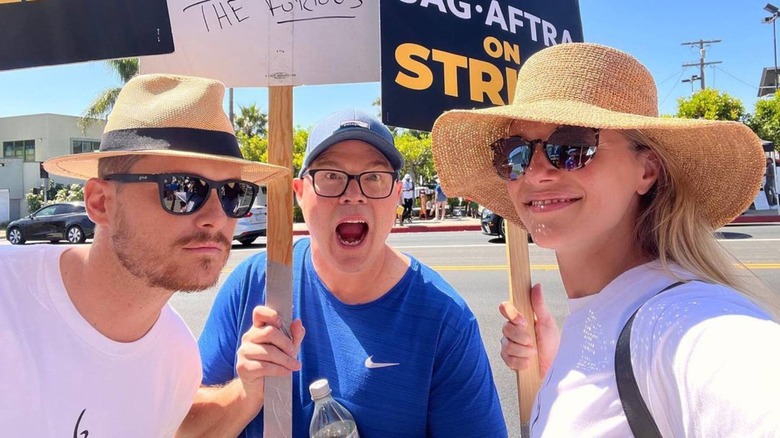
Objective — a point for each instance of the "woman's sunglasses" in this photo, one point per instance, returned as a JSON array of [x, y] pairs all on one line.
[[567, 148], [182, 193]]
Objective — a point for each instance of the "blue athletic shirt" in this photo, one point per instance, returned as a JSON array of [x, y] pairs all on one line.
[[440, 383]]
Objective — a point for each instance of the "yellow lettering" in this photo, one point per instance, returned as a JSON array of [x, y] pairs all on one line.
[[511, 53], [496, 49], [511, 83], [421, 77], [485, 80], [492, 47], [451, 63]]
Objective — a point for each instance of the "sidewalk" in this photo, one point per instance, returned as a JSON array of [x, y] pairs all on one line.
[[417, 225]]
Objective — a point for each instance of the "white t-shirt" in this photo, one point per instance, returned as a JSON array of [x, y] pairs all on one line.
[[408, 189], [706, 359], [59, 377]]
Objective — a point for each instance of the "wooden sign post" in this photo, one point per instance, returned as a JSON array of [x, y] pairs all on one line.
[[277, 410], [528, 380]]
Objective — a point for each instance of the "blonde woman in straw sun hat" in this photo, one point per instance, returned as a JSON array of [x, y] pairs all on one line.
[[631, 221]]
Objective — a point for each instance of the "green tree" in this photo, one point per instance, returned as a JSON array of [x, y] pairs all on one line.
[[416, 150], [124, 69], [255, 148], [251, 121], [300, 137], [710, 104], [765, 120], [73, 192], [55, 193]]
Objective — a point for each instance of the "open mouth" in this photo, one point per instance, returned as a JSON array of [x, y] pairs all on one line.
[[352, 233]]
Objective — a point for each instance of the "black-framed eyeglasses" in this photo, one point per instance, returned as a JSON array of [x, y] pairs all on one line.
[[332, 183], [183, 193], [567, 148]]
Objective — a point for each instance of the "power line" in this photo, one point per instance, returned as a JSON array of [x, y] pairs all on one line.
[[682, 72], [702, 55], [740, 80], [671, 76]]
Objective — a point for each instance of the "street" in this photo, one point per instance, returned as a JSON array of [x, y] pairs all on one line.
[[475, 264]]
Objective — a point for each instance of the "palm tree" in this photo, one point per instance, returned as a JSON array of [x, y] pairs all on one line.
[[104, 102], [251, 121]]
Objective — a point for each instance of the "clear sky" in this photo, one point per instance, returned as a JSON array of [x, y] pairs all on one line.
[[653, 31]]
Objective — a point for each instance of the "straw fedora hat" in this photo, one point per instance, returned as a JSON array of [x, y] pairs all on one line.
[[167, 115], [590, 85]]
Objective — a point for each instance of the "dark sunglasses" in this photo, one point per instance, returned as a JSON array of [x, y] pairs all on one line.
[[567, 148], [182, 193]]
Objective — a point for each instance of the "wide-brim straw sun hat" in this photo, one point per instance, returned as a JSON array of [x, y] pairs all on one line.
[[167, 115], [590, 85]]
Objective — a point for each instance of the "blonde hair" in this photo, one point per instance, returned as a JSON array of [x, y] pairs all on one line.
[[669, 228]]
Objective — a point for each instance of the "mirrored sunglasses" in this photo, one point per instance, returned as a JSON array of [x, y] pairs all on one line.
[[567, 148], [182, 194]]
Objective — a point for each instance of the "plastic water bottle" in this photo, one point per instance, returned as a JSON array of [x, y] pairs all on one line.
[[331, 419]]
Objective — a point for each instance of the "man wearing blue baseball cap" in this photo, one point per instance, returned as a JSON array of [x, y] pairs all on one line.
[[399, 347]]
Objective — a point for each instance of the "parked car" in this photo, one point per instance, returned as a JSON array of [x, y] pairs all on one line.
[[54, 222], [252, 226], [493, 224]]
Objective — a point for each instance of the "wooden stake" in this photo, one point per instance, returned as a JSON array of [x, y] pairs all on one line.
[[277, 410], [528, 380]]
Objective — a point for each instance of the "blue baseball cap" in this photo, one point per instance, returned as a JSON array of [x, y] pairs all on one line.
[[351, 124]]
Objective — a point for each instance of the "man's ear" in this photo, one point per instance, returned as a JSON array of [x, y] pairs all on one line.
[[98, 198], [652, 170], [297, 185]]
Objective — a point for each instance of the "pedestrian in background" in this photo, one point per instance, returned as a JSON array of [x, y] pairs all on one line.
[[770, 185], [632, 225], [407, 195], [89, 345], [441, 201]]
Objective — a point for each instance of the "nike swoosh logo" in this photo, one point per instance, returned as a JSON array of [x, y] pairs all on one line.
[[371, 364]]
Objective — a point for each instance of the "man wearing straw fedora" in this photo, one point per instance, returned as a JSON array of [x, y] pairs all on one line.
[[631, 220], [89, 345]]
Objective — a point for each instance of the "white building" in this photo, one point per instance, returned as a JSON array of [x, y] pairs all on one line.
[[29, 140]]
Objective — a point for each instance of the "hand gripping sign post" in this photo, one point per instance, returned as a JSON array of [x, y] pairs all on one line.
[[278, 44], [474, 64], [528, 380]]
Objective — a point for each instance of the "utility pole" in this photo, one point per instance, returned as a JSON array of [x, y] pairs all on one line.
[[230, 108], [702, 54]]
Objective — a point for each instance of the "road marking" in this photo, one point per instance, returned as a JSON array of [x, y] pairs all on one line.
[[771, 265], [551, 267]]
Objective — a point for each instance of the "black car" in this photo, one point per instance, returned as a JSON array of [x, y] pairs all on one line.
[[493, 224], [54, 222]]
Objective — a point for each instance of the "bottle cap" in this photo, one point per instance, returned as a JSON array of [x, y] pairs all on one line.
[[319, 389]]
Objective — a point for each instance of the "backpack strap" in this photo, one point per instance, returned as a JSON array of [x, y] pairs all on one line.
[[640, 420]]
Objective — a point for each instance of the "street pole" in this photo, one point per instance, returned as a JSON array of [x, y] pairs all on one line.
[[774, 42], [702, 54], [772, 9]]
